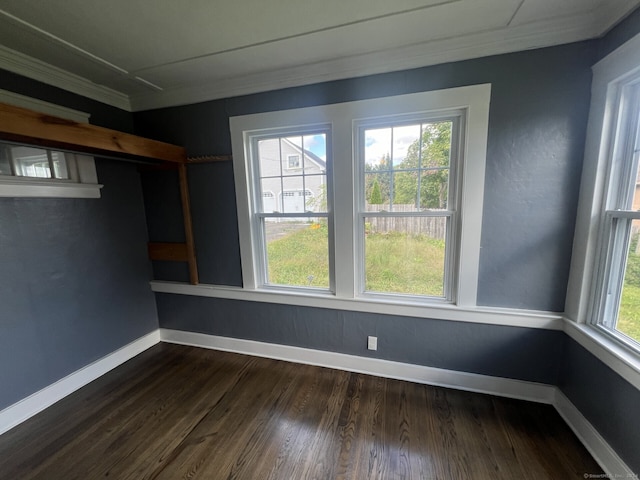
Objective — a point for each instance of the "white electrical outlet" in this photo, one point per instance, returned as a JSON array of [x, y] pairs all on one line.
[[372, 343]]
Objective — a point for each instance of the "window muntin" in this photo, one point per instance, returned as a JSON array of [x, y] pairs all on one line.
[[292, 209], [618, 312], [407, 205]]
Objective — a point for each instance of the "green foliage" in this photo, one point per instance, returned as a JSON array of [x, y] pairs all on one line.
[[629, 313], [379, 174], [395, 262], [424, 169], [432, 151], [375, 197]]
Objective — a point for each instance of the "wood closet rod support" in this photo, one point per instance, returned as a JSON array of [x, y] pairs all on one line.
[[188, 224], [26, 126]]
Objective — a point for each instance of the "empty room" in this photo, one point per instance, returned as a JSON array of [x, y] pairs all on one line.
[[329, 240]]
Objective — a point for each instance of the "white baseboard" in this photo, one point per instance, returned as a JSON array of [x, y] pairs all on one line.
[[597, 446], [601, 451], [472, 382], [33, 404], [606, 457]]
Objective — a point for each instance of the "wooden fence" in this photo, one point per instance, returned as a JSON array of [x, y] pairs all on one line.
[[434, 227]]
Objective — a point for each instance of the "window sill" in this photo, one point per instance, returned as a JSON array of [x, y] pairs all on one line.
[[20, 187], [436, 310], [620, 359]]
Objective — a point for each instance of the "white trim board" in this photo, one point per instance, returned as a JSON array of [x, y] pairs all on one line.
[[601, 451], [46, 73], [487, 315], [33, 404], [597, 446], [472, 382]]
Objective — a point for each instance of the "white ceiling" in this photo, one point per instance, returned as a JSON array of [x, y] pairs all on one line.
[[141, 54]]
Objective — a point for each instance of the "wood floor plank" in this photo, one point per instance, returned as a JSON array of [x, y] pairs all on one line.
[[179, 412]]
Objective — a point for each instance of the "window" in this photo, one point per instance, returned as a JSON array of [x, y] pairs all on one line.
[[23, 161], [293, 233], [365, 200], [617, 311], [293, 161], [27, 171], [407, 205]]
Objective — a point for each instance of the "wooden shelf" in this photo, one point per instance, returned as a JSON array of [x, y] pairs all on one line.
[[26, 126]]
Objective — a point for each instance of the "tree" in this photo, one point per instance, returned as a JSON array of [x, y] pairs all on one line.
[[375, 197], [426, 167], [378, 174]]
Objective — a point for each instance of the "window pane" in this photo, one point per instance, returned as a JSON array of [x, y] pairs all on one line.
[[436, 144], [315, 154], [59, 165], [405, 255], [376, 190], [629, 313], [406, 145], [291, 155], [405, 191], [410, 165], [5, 160], [294, 195], [297, 252], [30, 162], [270, 202], [434, 189], [293, 179], [377, 149]]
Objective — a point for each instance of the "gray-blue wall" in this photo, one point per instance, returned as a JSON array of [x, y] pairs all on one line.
[[73, 272], [539, 108]]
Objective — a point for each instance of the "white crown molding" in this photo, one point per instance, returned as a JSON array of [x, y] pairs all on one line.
[[547, 33], [525, 37], [33, 404], [30, 67]]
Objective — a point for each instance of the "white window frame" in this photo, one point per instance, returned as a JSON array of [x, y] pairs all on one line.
[[613, 129], [342, 119], [258, 216], [83, 184], [451, 214]]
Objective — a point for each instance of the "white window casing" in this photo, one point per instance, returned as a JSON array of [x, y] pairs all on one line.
[[595, 267], [342, 121]]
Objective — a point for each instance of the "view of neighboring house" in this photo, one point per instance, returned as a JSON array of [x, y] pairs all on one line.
[[291, 177]]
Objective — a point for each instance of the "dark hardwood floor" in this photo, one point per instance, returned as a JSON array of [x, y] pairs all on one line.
[[178, 412]]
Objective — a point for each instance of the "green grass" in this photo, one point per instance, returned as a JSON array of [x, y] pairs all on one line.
[[629, 314], [395, 263], [301, 258], [401, 263]]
